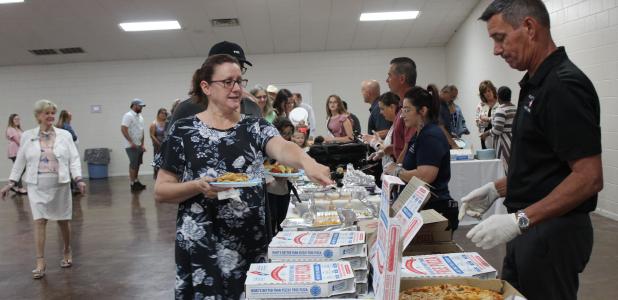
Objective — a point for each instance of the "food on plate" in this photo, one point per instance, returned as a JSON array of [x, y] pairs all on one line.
[[449, 291], [332, 196], [326, 218], [279, 168], [326, 222], [233, 177]]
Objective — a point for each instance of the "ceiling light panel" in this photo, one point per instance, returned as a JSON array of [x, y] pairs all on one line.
[[150, 26], [390, 15]]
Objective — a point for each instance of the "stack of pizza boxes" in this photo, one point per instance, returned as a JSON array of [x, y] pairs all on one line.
[[347, 250], [300, 280]]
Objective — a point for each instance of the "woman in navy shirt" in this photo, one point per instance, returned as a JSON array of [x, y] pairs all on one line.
[[428, 153]]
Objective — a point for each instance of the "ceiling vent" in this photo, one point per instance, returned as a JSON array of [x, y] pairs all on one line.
[[43, 51], [231, 22], [72, 50]]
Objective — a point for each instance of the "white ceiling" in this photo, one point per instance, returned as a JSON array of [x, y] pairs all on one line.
[[266, 26]]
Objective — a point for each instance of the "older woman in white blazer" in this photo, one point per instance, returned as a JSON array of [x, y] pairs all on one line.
[[50, 159]]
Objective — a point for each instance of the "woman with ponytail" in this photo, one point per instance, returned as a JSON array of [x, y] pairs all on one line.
[[428, 153]]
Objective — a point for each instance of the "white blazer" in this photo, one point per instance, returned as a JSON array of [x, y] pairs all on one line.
[[29, 155]]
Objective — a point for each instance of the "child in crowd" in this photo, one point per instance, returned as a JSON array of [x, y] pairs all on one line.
[[301, 136]]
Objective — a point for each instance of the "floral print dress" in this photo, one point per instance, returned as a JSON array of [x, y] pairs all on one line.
[[217, 240]]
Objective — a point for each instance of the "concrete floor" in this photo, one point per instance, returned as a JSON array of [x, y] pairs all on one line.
[[123, 248]]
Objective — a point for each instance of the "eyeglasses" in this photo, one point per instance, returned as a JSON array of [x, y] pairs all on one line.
[[406, 110], [229, 83]]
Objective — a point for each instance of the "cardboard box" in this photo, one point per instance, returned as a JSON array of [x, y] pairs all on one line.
[[467, 264], [397, 225], [362, 289], [432, 248], [434, 228], [360, 275], [299, 280], [316, 245], [357, 263], [500, 286]]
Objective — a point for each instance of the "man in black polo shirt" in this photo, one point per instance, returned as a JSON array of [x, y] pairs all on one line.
[[555, 171], [191, 107]]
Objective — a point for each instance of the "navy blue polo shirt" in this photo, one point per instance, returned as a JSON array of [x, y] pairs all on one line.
[[430, 147], [376, 119], [557, 121]]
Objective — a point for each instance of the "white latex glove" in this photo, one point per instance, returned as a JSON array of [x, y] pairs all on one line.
[[477, 202], [496, 230], [375, 156]]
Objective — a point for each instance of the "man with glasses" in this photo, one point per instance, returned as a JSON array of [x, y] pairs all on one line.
[[192, 106]]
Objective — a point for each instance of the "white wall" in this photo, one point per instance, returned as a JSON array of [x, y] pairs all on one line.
[[589, 31], [113, 84]]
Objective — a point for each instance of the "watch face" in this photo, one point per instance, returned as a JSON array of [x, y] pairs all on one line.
[[523, 222]]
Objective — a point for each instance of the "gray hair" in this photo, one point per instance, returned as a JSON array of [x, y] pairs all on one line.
[[514, 11], [42, 105], [449, 88], [407, 67]]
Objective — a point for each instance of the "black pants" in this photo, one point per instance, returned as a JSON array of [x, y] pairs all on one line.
[[483, 145], [278, 208], [448, 208], [545, 262]]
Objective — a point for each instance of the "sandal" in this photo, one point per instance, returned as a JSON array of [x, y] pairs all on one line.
[[39, 273], [67, 262]]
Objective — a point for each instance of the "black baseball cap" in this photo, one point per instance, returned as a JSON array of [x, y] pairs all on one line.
[[229, 48]]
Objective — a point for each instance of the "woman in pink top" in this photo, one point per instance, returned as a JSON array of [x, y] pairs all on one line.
[[339, 122], [13, 134]]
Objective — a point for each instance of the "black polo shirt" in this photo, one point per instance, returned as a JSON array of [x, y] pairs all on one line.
[[557, 121], [376, 119]]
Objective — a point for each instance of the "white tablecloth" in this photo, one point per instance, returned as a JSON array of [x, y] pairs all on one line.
[[466, 175]]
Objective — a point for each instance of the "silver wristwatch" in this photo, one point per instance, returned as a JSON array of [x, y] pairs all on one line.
[[522, 220]]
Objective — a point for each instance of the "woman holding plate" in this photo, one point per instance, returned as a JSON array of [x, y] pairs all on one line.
[[218, 236]]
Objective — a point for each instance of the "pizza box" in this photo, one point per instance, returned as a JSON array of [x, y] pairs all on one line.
[[500, 286], [432, 248], [316, 245], [299, 280], [398, 222], [360, 276], [357, 263], [433, 229], [467, 264]]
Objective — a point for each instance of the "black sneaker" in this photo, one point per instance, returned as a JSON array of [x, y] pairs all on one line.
[[135, 187], [142, 186]]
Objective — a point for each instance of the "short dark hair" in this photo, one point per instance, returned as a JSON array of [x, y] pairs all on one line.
[[514, 11], [504, 94], [389, 98], [205, 74], [282, 122], [407, 67]]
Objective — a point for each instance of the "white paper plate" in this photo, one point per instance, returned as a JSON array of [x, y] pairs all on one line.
[[297, 174], [239, 184]]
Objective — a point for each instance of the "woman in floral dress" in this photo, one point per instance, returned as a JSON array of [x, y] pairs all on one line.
[[217, 240]]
